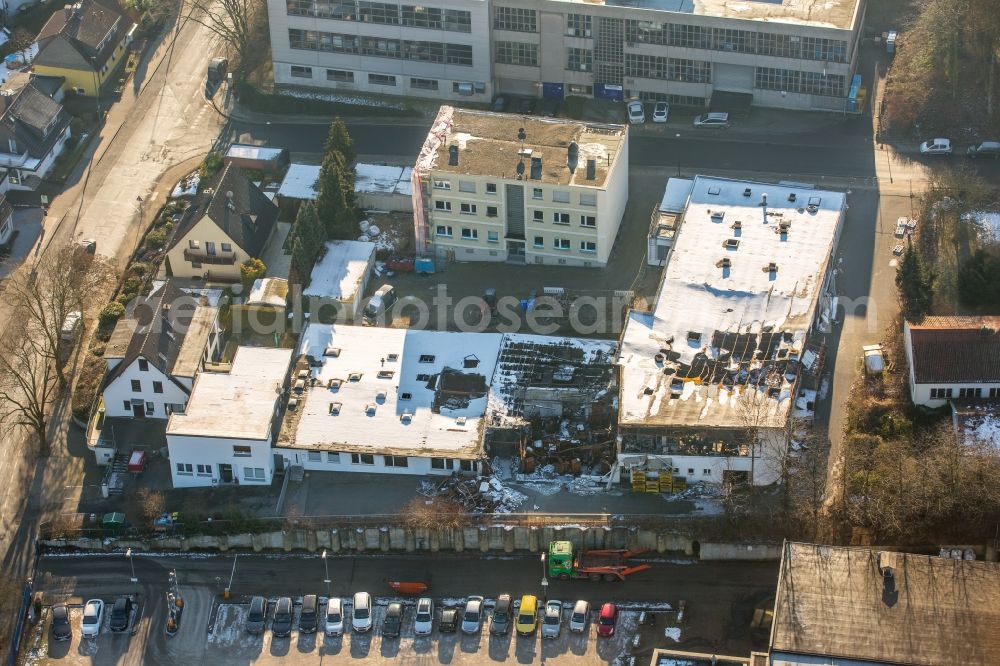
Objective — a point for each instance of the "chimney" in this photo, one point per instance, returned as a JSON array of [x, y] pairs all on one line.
[[572, 156], [536, 168], [453, 155], [591, 169]]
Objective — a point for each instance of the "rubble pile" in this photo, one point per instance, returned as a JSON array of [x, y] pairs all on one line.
[[477, 494]]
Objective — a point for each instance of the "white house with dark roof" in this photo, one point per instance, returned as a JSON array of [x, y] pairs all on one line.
[[953, 358], [156, 351], [34, 128]]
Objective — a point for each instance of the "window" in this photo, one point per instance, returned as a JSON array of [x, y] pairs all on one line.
[[128, 405], [560, 218], [426, 358], [332, 457], [204, 470], [668, 69], [493, 236], [444, 231], [467, 465], [588, 221], [516, 53], [442, 205], [970, 393], [405, 395], [539, 241], [470, 234], [706, 472], [579, 25], [442, 184], [536, 193], [136, 386], [143, 365], [468, 208], [157, 387], [560, 243], [588, 199], [576, 89], [579, 60], [362, 459], [491, 188], [185, 468], [381, 79], [253, 473], [467, 186], [538, 216], [560, 197], [423, 377], [588, 246], [226, 247], [396, 461], [789, 80], [241, 451], [300, 72], [315, 456], [941, 393], [516, 19], [442, 463], [194, 245], [423, 84], [385, 374], [491, 211], [994, 392], [690, 471], [340, 75]]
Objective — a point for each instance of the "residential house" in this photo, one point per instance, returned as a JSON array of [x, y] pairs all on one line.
[[225, 435], [83, 43], [711, 377], [227, 224], [953, 357], [6, 220], [156, 351], [34, 128], [500, 187], [866, 607]]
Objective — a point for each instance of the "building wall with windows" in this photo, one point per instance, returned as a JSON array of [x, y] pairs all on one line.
[[142, 385], [438, 50], [208, 461], [343, 461]]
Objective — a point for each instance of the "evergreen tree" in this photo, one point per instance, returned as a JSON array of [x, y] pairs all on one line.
[[302, 261], [309, 236], [335, 211], [338, 140], [979, 281], [915, 284]]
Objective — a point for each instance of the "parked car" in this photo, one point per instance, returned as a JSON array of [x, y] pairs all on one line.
[[87, 246], [661, 112], [393, 620], [217, 69], [281, 625], [713, 120], [257, 615], [500, 618], [937, 146], [361, 618], [423, 623], [309, 617], [61, 630], [70, 326], [499, 104], [379, 304], [449, 621], [526, 105], [121, 614], [636, 114], [472, 619], [607, 620], [578, 620], [527, 615], [550, 107], [985, 149], [93, 617], [334, 623], [552, 621]]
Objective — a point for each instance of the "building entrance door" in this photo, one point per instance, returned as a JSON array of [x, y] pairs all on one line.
[[225, 473]]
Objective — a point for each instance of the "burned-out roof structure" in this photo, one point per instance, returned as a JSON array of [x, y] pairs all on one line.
[[836, 604]]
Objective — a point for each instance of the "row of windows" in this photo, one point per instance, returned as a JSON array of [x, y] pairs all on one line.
[[150, 407], [668, 69], [558, 217], [189, 469], [516, 53], [537, 193], [517, 19], [737, 41], [137, 386], [679, 100], [405, 49], [209, 246], [564, 244], [971, 392], [579, 25], [789, 80], [579, 60], [390, 461], [384, 13], [347, 76]]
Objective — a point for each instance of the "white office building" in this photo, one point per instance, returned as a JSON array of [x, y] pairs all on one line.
[[790, 54]]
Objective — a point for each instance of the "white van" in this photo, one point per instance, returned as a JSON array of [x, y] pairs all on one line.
[[70, 326]]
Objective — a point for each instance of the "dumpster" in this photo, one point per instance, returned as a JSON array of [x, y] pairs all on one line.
[[424, 265]]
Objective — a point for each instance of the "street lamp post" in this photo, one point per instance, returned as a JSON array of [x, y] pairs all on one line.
[[545, 582], [128, 554], [326, 568], [232, 575]]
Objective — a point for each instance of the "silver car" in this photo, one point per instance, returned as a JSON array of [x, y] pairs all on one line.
[[93, 616], [472, 620], [578, 620], [424, 622], [552, 621]]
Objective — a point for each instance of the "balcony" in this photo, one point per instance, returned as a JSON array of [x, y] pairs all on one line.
[[200, 257]]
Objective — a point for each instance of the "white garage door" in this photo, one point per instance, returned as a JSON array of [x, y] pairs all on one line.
[[732, 78]]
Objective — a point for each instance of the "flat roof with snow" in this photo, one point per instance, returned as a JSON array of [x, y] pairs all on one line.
[[300, 182], [250, 152], [404, 391], [726, 327], [238, 404], [340, 273], [840, 14], [383, 179]]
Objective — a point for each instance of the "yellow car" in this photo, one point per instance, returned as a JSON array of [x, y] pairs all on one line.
[[527, 615]]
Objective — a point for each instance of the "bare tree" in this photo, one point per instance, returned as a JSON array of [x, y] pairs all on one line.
[[232, 20], [27, 383], [806, 482]]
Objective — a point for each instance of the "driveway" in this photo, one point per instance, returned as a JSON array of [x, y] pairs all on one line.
[[28, 227]]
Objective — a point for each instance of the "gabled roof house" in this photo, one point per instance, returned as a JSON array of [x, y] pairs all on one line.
[[953, 357]]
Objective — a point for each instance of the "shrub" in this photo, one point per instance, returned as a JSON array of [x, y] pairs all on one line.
[[250, 270], [140, 269], [110, 314], [211, 166], [155, 240]]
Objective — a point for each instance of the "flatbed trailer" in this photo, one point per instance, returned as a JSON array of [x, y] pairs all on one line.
[[609, 564]]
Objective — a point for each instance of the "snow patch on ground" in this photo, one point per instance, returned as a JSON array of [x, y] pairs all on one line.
[[186, 186], [341, 99], [673, 633]]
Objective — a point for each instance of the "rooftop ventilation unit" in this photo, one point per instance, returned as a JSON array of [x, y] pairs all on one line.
[[572, 155], [293, 404], [591, 169], [335, 408], [405, 417], [536, 168], [763, 199], [370, 409], [521, 134], [380, 397], [725, 263], [732, 243], [747, 192], [791, 196], [333, 352], [300, 386], [520, 170], [303, 374], [461, 420], [453, 155], [334, 384], [771, 267]]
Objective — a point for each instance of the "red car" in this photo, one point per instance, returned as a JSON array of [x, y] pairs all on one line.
[[607, 619]]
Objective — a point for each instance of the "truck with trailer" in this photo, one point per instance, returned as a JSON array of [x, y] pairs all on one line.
[[609, 565]]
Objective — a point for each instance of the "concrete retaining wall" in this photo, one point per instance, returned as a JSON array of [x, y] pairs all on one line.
[[484, 539]]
